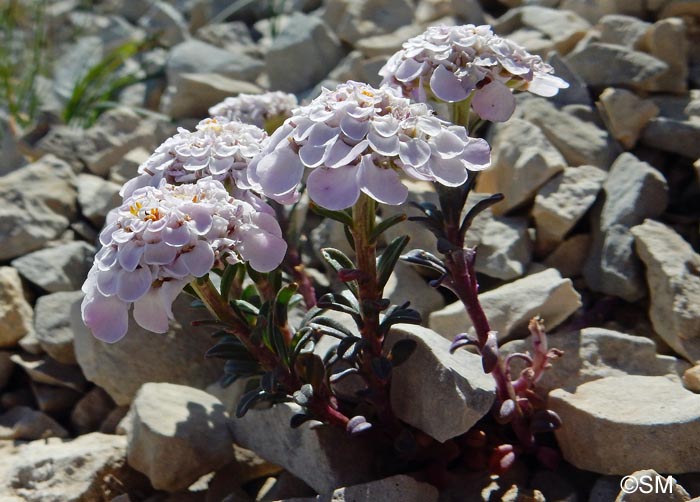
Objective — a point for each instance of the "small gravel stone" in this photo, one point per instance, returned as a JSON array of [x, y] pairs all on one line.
[[59, 268], [25, 423], [15, 312]]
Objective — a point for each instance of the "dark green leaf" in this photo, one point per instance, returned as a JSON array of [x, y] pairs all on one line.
[[341, 216], [248, 400], [339, 261], [227, 279], [338, 327], [385, 225], [401, 351], [479, 207], [387, 261], [299, 419], [381, 367]]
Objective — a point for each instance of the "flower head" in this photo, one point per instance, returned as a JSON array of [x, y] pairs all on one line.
[[458, 62], [266, 110], [358, 138], [219, 148], [160, 239]]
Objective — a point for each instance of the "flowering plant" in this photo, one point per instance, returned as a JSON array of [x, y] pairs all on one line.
[[212, 211]]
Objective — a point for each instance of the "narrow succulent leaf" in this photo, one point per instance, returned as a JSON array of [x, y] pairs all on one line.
[[346, 344], [424, 259], [227, 279], [299, 419], [229, 350], [479, 207], [386, 224], [401, 351], [340, 216], [350, 238], [462, 340], [249, 399], [336, 377], [381, 367], [329, 322], [339, 261], [387, 261], [268, 382]]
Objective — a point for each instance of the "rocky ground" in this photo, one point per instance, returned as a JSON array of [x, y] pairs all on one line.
[[598, 234]]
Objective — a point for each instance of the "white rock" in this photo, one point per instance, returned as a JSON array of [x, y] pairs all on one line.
[[649, 486], [52, 325], [625, 114], [302, 54], [523, 160], [399, 488], [667, 40], [563, 201], [127, 167], [510, 307], [504, 246], [691, 378], [594, 353], [634, 191], [15, 312], [22, 422], [672, 135], [407, 285], [56, 470], [617, 425], [59, 268], [619, 29], [562, 28], [440, 393], [166, 22], [673, 276], [37, 203], [174, 357], [194, 93], [353, 20], [606, 65], [387, 44], [581, 142], [570, 256], [321, 455], [43, 369], [176, 434], [195, 56], [96, 197], [115, 133]]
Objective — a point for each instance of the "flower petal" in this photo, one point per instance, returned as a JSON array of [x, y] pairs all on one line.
[[200, 259], [494, 102], [106, 317], [414, 152], [177, 235], [130, 254], [449, 172], [383, 185], [477, 154], [409, 70], [447, 144], [150, 313], [334, 189], [133, 285], [446, 86], [279, 172], [159, 254], [261, 249]]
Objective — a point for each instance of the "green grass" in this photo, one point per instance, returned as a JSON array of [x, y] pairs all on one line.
[[22, 58]]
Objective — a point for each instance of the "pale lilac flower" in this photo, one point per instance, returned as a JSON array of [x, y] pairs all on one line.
[[454, 63], [360, 139], [267, 110], [162, 238], [219, 148]]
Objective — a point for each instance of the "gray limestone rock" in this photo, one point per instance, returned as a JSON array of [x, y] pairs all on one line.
[[176, 434], [440, 393], [611, 423], [302, 54], [60, 268], [673, 276]]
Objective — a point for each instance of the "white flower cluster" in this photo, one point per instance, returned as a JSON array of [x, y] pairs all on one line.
[[160, 239], [458, 62], [256, 109], [358, 138], [219, 148]]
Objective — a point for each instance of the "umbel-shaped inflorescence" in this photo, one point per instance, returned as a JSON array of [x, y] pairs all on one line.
[[162, 238], [360, 139], [455, 63], [218, 148], [266, 111]]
